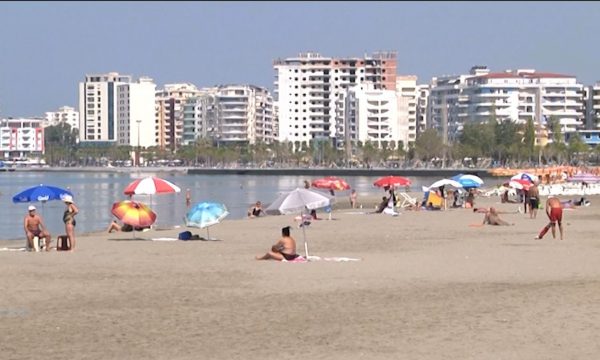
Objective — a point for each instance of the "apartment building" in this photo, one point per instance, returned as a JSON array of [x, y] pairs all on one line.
[[114, 109], [422, 106], [516, 95], [21, 138], [408, 94], [592, 107], [230, 114], [308, 87], [169, 114], [64, 115]]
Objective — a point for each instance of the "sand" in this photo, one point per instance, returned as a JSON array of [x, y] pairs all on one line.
[[427, 286]]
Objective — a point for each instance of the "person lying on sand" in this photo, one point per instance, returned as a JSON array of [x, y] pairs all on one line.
[[285, 248], [114, 226], [492, 218]]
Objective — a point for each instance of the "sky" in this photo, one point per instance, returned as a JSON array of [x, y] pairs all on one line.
[[47, 48]]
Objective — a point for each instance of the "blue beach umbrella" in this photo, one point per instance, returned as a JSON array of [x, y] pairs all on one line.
[[468, 181], [41, 193], [205, 214]]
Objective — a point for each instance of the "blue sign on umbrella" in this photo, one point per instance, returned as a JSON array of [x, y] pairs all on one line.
[[40, 193]]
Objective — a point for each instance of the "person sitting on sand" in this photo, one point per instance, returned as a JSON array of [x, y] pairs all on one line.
[[34, 226], [256, 210], [284, 249], [382, 205], [492, 218], [114, 226]]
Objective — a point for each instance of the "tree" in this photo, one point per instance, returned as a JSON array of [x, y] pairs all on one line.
[[429, 145], [529, 138], [60, 142]]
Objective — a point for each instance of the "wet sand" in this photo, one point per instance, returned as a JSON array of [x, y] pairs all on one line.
[[427, 286]]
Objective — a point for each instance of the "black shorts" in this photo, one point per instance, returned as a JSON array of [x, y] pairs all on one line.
[[289, 257], [534, 203]]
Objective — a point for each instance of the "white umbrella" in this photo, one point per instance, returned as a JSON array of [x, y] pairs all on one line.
[[297, 201], [445, 182], [525, 176]]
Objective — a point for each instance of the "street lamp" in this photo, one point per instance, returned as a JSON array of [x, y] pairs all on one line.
[[138, 142]]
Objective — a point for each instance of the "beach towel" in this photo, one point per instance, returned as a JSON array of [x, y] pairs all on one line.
[[335, 258], [299, 259], [13, 249]]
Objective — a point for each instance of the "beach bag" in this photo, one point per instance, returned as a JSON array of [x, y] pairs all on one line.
[[63, 243], [186, 235]]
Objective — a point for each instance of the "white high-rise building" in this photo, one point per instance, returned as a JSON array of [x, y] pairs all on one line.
[[230, 114], [66, 115], [110, 106], [422, 101], [517, 95], [136, 113], [592, 113], [371, 115], [308, 89], [408, 94]]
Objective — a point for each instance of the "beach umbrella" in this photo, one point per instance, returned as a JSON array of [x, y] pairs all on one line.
[[299, 200], [468, 181], [392, 181], [133, 213], [445, 182], [588, 178], [206, 214], [41, 193], [525, 176], [331, 183], [520, 184], [151, 185]]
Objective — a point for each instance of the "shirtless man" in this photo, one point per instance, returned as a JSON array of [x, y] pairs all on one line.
[[492, 218], [534, 200], [285, 248], [34, 226], [554, 211]]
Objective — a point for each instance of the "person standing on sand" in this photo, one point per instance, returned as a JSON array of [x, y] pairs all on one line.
[[69, 219], [554, 212], [353, 197], [188, 198], [284, 249], [534, 202]]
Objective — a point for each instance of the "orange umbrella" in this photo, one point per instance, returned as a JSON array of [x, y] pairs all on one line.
[[133, 213], [331, 183]]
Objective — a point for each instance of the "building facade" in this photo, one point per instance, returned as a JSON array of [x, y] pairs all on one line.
[[230, 114], [307, 88], [64, 115], [515, 95], [169, 114], [21, 138], [114, 110]]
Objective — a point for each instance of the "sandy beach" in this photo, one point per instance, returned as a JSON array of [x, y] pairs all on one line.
[[427, 286]]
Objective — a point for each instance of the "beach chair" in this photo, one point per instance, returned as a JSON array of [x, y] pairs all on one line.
[[407, 200]]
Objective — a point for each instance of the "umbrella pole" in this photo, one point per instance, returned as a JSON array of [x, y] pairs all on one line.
[[207, 233], [304, 234]]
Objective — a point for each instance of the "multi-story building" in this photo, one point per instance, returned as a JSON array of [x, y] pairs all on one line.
[[169, 106], [21, 138], [371, 115], [230, 114], [422, 106], [308, 87], [517, 95], [64, 115], [113, 109], [408, 96], [592, 107]]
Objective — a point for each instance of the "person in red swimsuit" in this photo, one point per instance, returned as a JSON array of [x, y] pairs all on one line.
[[554, 211]]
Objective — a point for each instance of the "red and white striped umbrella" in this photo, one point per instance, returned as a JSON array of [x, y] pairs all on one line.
[[151, 185]]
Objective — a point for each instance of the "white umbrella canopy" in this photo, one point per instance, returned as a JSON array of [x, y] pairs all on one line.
[[525, 176], [297, 201], [446, 182]]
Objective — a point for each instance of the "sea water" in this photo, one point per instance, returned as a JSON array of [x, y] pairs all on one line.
[[95, 192]]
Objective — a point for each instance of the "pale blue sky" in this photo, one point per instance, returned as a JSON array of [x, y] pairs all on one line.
[[46, 48]]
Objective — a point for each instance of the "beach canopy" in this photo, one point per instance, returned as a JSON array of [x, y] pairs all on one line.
[[525, 176], [206, 214], [133, 213], [520, 184], [151, 185], [331, 183], [468, 181], [446, 182], [41, 193], [392, 181]]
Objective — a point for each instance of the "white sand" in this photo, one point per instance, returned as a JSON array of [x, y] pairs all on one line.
[[428, 287]]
